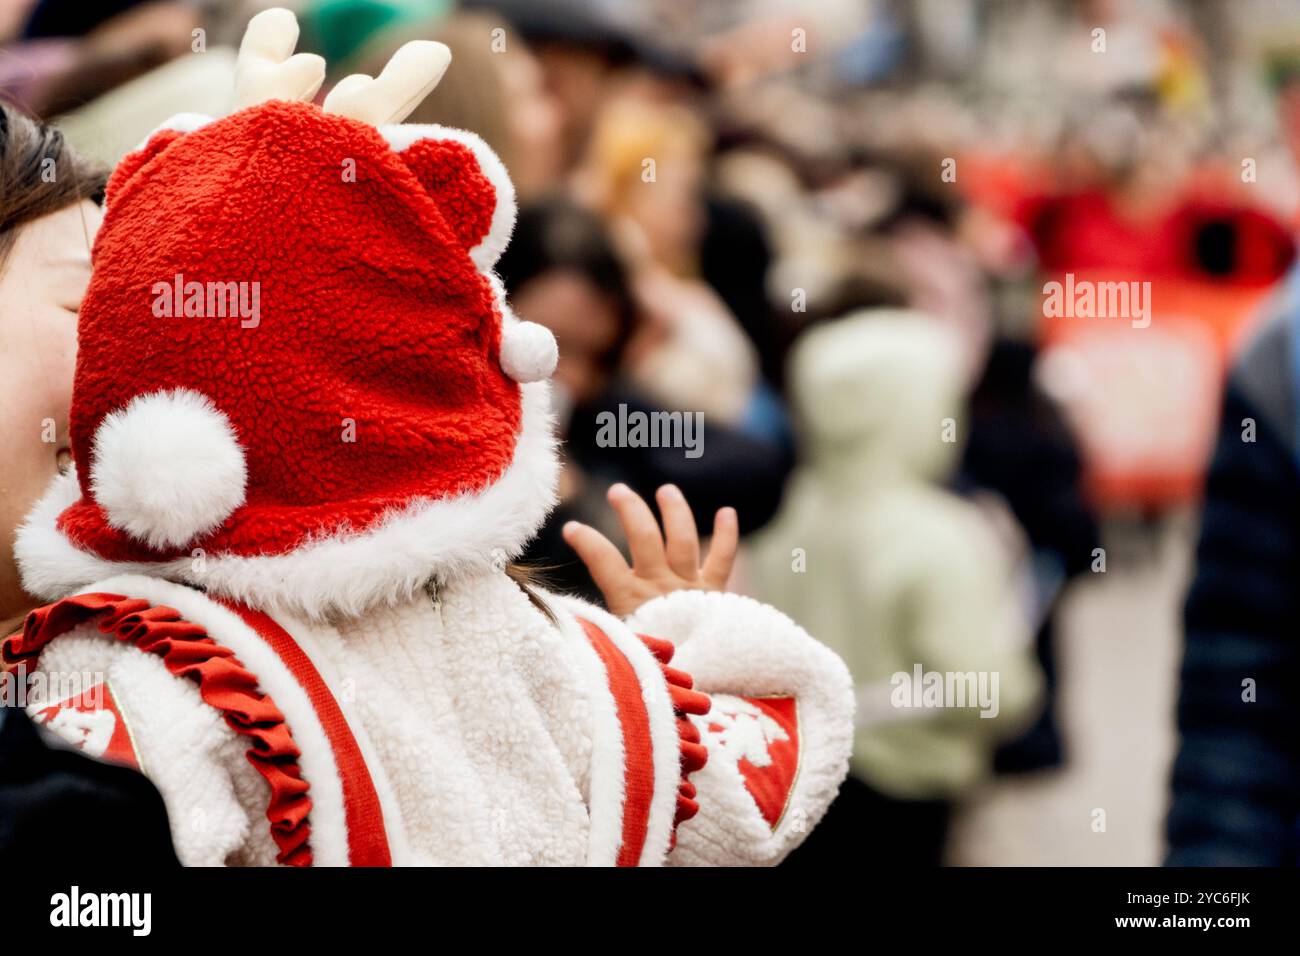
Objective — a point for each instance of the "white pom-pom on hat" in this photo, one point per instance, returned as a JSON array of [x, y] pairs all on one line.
[[167, 468], [528, 351]]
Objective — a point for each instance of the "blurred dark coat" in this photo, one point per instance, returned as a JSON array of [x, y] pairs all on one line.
[[57, 804], [1021, 447], [738, 469], [1236, 778]]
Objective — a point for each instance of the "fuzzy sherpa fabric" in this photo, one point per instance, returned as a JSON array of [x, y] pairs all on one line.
[[489, 730], [736, 648], [358, 357]]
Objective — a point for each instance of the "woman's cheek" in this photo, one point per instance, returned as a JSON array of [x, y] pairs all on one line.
[[31, 416], [35, 425]]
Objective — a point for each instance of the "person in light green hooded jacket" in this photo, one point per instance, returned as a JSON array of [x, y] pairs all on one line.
[[907, 581]]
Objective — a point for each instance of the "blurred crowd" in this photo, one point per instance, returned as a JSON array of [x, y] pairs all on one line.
[[826, 229]]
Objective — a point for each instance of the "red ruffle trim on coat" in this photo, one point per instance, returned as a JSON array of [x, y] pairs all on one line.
[[224, 683], [686, 700]]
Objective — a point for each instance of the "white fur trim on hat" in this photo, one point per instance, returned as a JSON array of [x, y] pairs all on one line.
[[181, 123], [528, 351], [167, 468], [485, 255], [345, 573]]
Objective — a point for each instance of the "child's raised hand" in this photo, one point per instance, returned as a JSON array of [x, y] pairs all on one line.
[[657, 568]]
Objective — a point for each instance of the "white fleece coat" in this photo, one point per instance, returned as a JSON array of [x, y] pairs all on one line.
[[488, 730]]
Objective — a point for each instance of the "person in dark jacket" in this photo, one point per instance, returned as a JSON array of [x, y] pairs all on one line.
[[57, 804], [1236, 777], [1021, 448], [563, 271]]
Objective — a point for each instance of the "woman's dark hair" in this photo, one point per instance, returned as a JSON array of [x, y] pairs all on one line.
[[555, 235], [39, 174]]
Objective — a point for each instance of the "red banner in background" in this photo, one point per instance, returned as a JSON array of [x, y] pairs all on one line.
[[1139, 365]]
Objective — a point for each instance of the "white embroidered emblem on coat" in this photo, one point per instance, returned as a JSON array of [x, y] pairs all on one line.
[[90, 730], [746, 732]]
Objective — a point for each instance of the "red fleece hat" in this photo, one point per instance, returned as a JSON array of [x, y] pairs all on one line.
[[296, 369]]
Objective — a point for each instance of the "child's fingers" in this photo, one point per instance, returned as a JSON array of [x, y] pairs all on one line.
[[722, 549], [641, 528], [598, 553], [679, 528]]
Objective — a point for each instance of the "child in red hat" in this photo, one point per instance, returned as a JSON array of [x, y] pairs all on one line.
[[310, 436]]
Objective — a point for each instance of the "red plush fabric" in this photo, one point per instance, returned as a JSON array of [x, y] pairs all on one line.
[[224, 683], [371, 312], [686, 700], [449, 171]]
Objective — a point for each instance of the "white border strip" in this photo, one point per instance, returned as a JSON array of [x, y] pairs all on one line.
[[664, 739], [605, 781], [329, 832], [308, 637]]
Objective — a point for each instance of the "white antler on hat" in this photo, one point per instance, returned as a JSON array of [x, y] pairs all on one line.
[[268, 69], [411, 74]]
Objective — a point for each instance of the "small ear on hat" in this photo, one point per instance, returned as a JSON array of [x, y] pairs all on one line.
[[157, 141], [467, 181]]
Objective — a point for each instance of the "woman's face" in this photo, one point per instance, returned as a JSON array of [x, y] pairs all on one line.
[[584, 322], [670, 214], [42, 281], [537, 157]]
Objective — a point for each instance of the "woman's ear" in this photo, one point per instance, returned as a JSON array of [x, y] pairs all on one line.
[[467, 181]]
